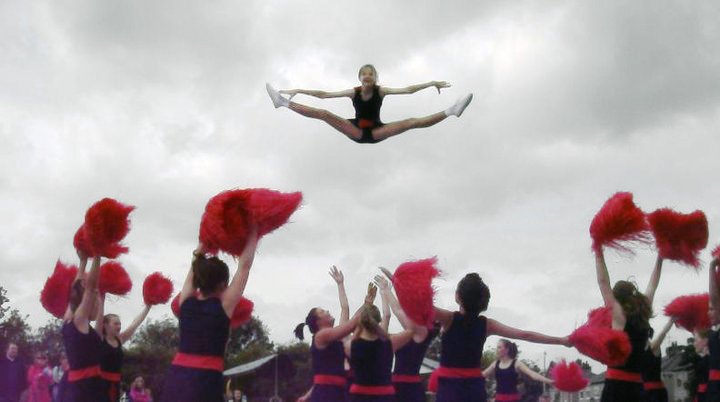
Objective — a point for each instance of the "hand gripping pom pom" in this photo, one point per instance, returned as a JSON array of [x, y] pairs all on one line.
[[690, 311], [679, 237], [617, 222], [157, 289], [55, 295], [568, 377], [106, 224], [225, 223], [413, 286], [242, 313], [114, 279]]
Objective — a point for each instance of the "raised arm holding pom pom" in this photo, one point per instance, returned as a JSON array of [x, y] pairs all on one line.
[[367, 99]]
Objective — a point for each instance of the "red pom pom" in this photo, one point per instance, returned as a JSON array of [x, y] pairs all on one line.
[[175, 305], [106, 223], [679, 237], [433, 381], [225, 221], [690, 312], [413, 286], [81, 243], [55, 295], [568, 377], [114, 279], [716, 252], [600, 317], [606, 345], [242, 313], [618, 221], [157, 289]]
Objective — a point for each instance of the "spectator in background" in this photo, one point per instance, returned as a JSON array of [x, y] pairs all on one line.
[[12, 375], [39, 376], [138, 392], [59, 378]]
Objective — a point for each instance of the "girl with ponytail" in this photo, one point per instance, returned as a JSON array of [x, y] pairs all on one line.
[[460, 377]]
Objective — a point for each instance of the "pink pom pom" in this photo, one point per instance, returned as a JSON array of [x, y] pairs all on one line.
[[242, 313], [679, 237], [224, 224], [114, 279], [716, 252], [690, 312], [55, 295], [81, 243], [618, 221], [600, 317], [413, 286], [606, 345], [568, 377], [106, 223], [157, 289]]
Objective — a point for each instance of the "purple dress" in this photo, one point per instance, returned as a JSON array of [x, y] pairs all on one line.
[[406, 374], [196, 371], [111, 360], [621, 390], [652, 378], [506, 381], [460, 378], [713, 388], [371, 362], [83, 353], [328, 369]]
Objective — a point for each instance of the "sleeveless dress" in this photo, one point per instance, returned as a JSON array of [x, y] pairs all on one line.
[[367, 114], [624, 383], [196, 371], [371, 362], [111, 360], [459, 375], [328, 367], [713, 389], [506, 381], [83, 353], [406, 374], [701, 375], [652, 378]]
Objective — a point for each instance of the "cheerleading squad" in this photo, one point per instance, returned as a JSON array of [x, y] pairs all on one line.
[[352, 360]]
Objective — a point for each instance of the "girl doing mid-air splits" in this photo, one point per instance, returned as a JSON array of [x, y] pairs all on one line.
[[367, 99]]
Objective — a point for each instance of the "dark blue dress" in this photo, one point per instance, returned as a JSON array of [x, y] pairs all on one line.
[[652, 378], [618, 390], [713, 389], [371, 362], [701, 375], [83, 353], [367, 114], [406, 374], [462, 346], [111, 360], [328, 367], [196, 372], [506, 381]]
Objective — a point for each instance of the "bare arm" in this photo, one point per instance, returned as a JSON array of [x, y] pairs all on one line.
[[411, 89], [231, 296], [523, 368], [419, 330], [654, 280], [187, 289], [497, 328], [339, 279], [490, 370], [130, 330], [100, 316], [327, 335], [603, 279], [655, 344], [81, 318], [318, 93], [385, 321], [714, 293], [399, 340], [445, 317], [306, 396]]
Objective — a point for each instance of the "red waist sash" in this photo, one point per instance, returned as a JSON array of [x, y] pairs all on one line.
[[364, 123], [198, 361], [702, 388], [714, 375], [653, 385], [372, 389], [110, 376], [615, 374], [406, 378], [329, 379], [83, 373], [456, 372], [507, 397]]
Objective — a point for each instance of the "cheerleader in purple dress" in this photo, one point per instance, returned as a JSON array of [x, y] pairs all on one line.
[[367, 99], [460, 377], [111, 355], [652, 368], [326, 349], [196, 371], [408, 359], [712, 393], [82, 343], [700, 368], [506, 370]]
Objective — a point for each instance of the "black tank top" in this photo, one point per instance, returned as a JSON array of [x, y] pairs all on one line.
[[367, 109]]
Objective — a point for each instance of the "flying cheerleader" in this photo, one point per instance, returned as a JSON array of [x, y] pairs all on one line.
[[366, 127]]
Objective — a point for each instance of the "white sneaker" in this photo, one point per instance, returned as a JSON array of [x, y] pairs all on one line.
[[275, 96], [459, 107]]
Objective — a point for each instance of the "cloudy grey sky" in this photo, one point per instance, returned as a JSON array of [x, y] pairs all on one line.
[[162, 105]]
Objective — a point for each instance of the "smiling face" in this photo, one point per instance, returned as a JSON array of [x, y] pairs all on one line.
[[501, 349], [112, 325], [367, 75]]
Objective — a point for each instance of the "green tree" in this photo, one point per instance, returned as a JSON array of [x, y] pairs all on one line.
[[3, 300], [15, 329], [247, 343], [49, 339]]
